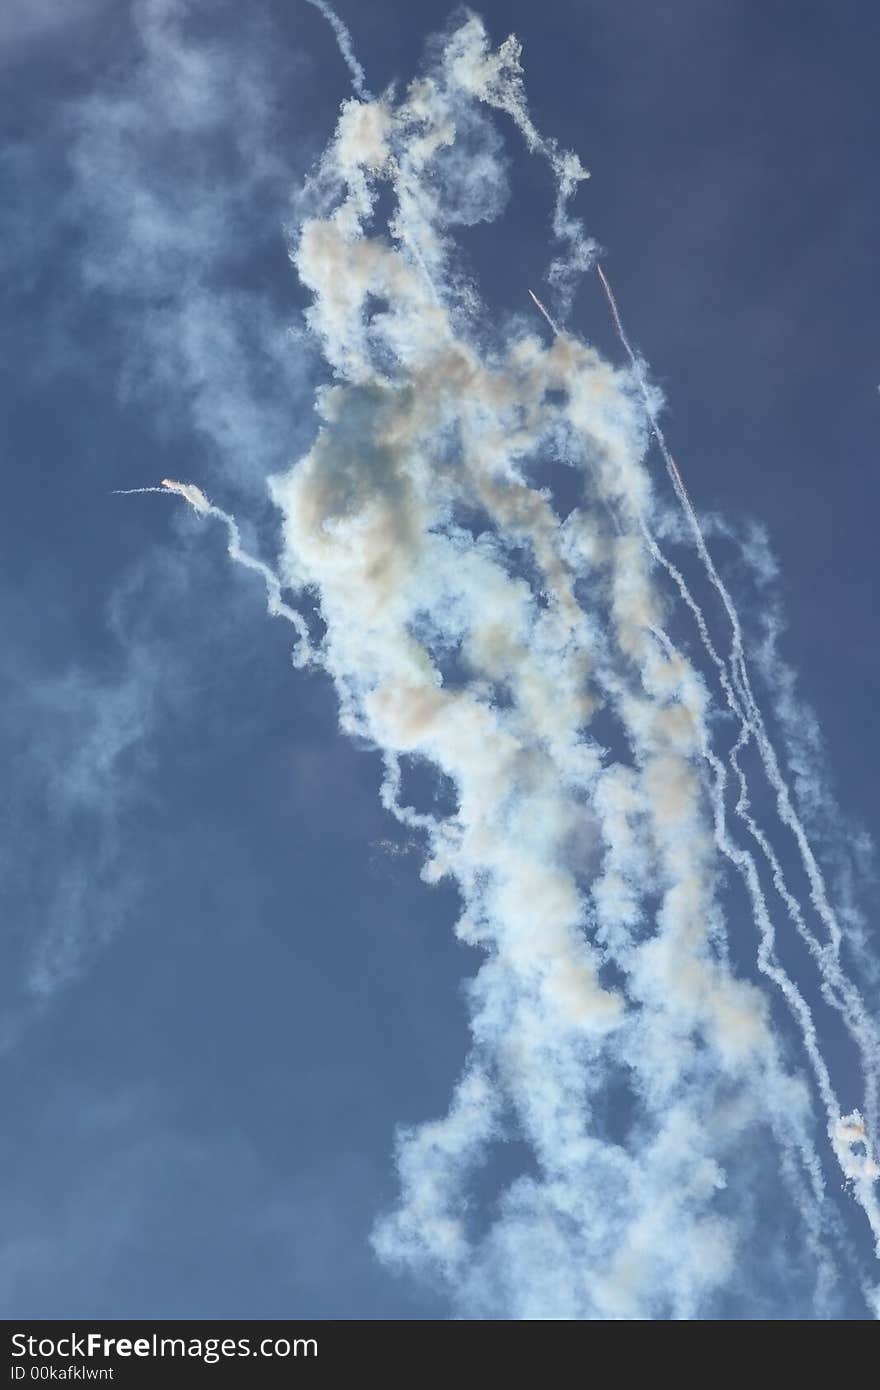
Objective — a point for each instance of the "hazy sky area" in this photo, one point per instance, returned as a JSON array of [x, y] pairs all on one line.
[[225, 985]]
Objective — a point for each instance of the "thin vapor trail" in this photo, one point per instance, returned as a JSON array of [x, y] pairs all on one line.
[[554, 327], [133, 491], [677, 480], [738, 665], [275, 604], [746, 709], [302, 652], [346, 48], [838, 991], [859, 1173]]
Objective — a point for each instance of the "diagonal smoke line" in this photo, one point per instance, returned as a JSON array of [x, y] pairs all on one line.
[[275, 604], [346, 48], [838, 991]]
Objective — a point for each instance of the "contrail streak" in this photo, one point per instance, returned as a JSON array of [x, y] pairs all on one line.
[[133, 491], [346, 48], [540, 306], [677, 481]]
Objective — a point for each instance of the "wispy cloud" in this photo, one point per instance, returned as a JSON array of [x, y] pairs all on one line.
[[159, 199], [80, 743], [153, 202]]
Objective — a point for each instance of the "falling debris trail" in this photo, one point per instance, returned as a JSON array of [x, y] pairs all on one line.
[[582, 814]]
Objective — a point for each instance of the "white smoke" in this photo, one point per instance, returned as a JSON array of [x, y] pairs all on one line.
[[346, 48], [470, 628]]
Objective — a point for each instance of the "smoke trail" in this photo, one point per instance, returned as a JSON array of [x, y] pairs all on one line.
[[837, 989], [738, 667], [346, 48], [844, 1131], [497, 80], [471, 629], [541, 310], [408, 699], [275, 605], [134, 491]]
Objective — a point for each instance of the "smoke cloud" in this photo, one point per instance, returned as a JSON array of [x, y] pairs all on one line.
[[594, 809]]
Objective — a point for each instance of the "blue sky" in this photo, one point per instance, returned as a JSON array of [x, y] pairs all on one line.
[[225, 983]]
